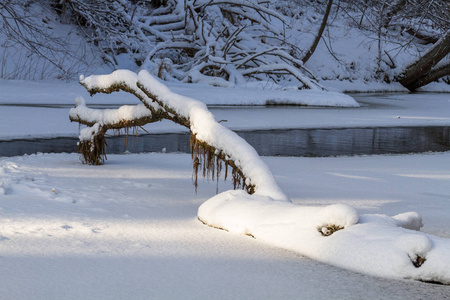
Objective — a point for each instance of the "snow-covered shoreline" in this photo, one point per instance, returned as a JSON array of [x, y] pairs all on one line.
[[139, 235], [135, 229], [20, 119]]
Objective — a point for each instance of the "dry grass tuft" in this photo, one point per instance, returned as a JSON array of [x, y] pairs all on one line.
[[329, 229], [210, 161], [93, 152]]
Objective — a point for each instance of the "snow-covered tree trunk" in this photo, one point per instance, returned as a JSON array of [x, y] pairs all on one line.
[[211, 143], [440, 70]]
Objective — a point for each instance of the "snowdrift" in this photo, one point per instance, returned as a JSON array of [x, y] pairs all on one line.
[[378, 245]]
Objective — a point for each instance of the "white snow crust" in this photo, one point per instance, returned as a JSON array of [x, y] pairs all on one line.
[[372, 244], [130, 228]]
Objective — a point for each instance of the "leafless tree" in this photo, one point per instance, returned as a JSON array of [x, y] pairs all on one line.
[[26, 31], [419, 23], [309, 52], [427, 68]]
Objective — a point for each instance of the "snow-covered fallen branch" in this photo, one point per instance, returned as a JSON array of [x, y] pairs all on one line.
[[273, 68], [211, 142], [378, 245], [375, 244]]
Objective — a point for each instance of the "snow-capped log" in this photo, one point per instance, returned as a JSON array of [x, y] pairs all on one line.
[[214, 137], [211, 143]]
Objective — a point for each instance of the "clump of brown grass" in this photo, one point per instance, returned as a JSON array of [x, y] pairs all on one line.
[[418, 261], [93, 152], [210, 161], [329, 229]]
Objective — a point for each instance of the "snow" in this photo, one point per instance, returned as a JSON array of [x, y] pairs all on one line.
[[109, 116], [25, 100], [130, 228], [136, 213], [371, 244]]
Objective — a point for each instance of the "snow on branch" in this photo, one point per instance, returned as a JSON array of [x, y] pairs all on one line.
[[189, 33], [211, 143], [214, 33], [223, 142], [307, 83], [125, 116], [245, 3]]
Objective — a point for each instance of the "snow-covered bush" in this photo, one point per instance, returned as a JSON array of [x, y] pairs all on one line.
[[220, 42]]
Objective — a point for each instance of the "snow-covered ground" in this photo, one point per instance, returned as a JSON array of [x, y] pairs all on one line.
[[129, 229]]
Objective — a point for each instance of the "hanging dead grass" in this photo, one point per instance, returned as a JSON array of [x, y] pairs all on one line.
[[210, 161], [93, 151], [205, 157]]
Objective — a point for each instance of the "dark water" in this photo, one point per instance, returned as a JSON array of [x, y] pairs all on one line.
[[290, 142]]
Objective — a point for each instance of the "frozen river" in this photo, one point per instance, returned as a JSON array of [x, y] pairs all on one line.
[[385, 123], [272, 142]]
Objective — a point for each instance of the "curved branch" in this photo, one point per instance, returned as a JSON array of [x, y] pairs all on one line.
[[124, 117], [220, 140], [210, 143], [307, 83], [316, 41]]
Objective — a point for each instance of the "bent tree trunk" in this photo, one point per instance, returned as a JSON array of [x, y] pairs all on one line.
[[422, 71], [439, 71], [313, 46], [211, 143]]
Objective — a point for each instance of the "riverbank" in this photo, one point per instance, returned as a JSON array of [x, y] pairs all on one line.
[[40, 110]]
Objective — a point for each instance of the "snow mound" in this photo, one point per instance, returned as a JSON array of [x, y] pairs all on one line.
[[375, 244]]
